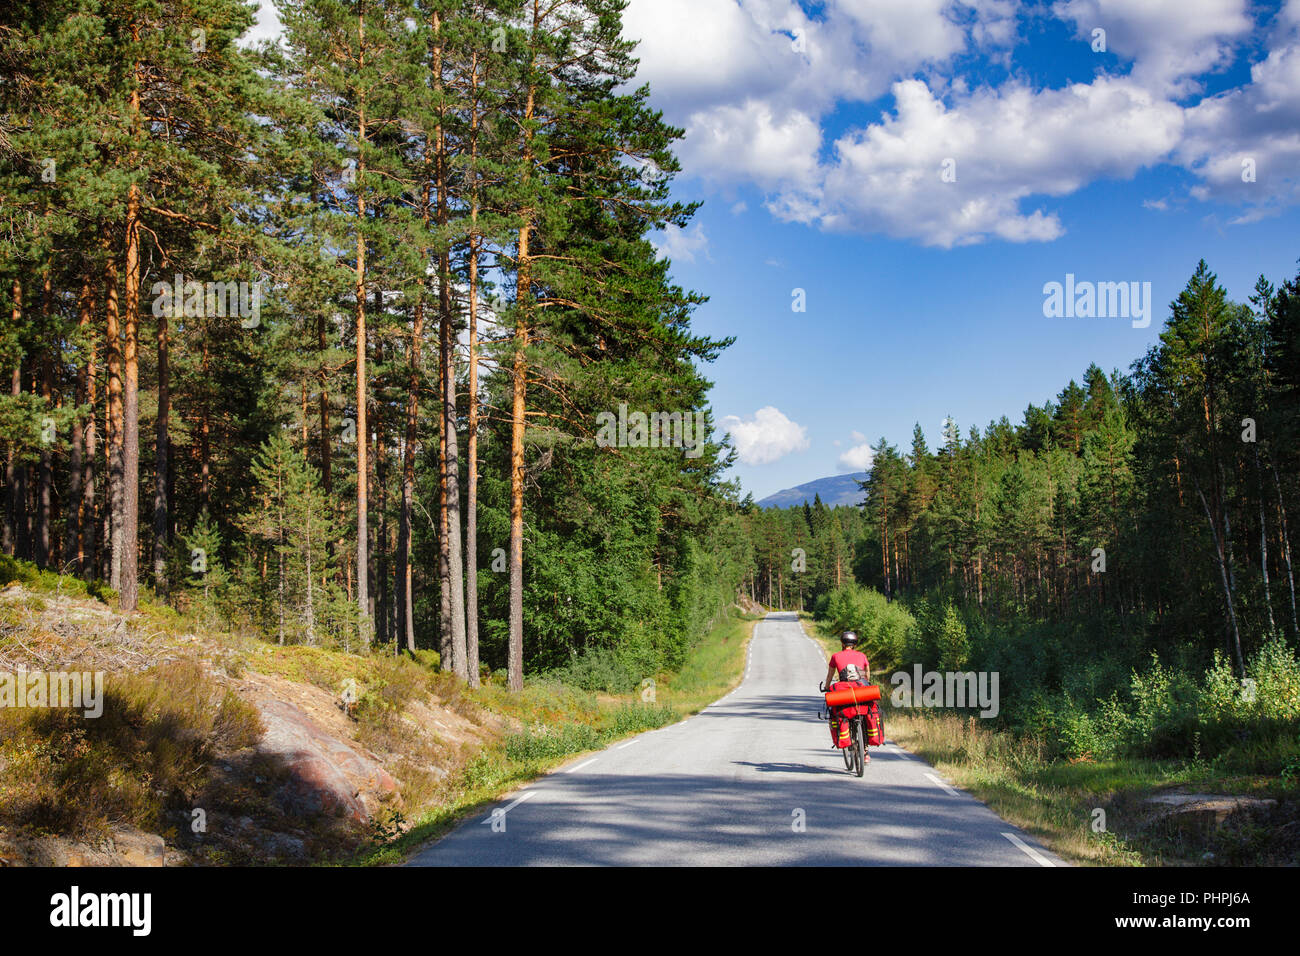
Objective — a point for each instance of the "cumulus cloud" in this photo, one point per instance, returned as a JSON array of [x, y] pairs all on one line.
[[766, 437], [750, 81], [997, 148], [1171, 42], [754, 83], [1242, 143], [857, 458], [680, 245]]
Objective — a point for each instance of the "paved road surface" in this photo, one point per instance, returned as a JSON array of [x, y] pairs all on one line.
[[727, 787]]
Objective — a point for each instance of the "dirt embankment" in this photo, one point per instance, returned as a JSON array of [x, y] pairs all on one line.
[[309, 772]]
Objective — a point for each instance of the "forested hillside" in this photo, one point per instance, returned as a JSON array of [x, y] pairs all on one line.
[[314, 337], [1151, 512]]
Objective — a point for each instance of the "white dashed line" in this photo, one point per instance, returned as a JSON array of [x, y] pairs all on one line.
[[939, 783], [502, 811], [1033, 854], [581, 765], [626, 745]]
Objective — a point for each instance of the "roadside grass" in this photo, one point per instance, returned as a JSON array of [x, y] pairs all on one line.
[[560, 722], [714, 666], [145, 757], [1057, 801]]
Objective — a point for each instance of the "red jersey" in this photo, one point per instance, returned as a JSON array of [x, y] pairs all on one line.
[[850, 657]]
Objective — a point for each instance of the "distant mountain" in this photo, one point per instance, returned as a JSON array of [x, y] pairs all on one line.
[[835, 490]]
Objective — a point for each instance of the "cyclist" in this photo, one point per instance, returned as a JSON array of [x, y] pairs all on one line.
[[847, 666]]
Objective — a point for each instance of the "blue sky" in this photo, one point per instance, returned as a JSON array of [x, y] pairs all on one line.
[[820, 170], [816, 136]]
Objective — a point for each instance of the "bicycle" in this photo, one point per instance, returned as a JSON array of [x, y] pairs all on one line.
[[855, 753]]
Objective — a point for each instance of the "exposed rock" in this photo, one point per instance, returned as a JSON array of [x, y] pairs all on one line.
[[137, 848], [326, 776], [1203, 811], [124, 846]]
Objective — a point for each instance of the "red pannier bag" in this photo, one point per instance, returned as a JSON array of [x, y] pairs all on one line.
[[840, 736], [875, 724]]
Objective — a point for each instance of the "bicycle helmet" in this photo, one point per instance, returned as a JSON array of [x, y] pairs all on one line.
[[849, 638]]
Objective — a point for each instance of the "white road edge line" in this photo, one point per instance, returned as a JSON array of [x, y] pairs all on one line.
[[581, 765], [626, 745], [1033, 854], [510, 806], [937, 782]]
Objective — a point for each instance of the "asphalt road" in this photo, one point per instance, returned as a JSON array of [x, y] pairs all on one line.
[[750, 781]]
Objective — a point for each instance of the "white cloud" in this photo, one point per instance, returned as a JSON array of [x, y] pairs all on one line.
[[857, 436], [754, 107], [266, 25], [750, 80], [680, 245], [1252, 125], [766, 437], [857, 458], [1171, 42], [755, 142], [1003, 145]]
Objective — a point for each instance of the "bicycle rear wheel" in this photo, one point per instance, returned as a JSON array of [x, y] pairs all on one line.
[[858, 734], [848, 754]]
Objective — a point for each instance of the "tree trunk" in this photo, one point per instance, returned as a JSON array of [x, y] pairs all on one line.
[[471, 492], [114, 428], [326, 471], [1227, 586], [471, 438], [162, 440], [128, 594], [381, 595], [89, 543], [1286, 546], [205, 435], [72, 530], [447, 346], [14, 506], [45, 470], [363, 432], [405, 575], [446, 646], [1263, 544]]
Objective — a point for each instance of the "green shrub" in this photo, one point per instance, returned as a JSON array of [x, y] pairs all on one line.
[[887, 630], [11, 570]]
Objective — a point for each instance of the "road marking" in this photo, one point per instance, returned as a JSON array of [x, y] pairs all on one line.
[[581, 765], [935, 780], [1033, 854], [626, 745], [510, 806]]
